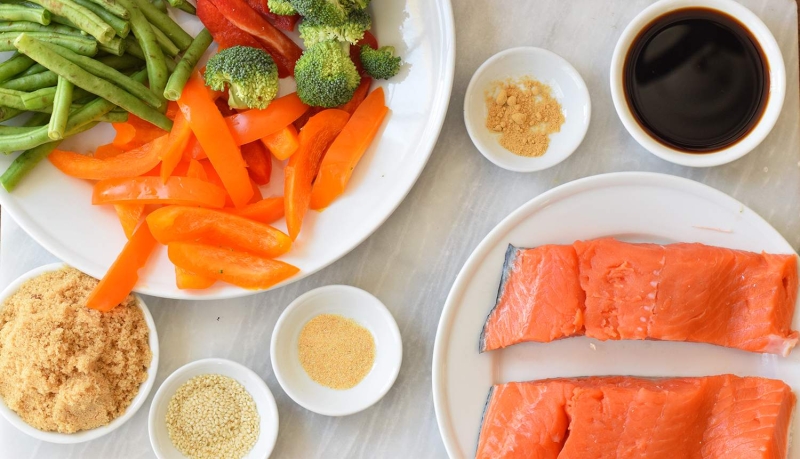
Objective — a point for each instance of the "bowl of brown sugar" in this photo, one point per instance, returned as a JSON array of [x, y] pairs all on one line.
[[336, 350], [70, 374], [527, 109]]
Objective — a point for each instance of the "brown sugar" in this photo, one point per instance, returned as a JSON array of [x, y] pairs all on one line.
[[65, 367], [524, 113], [336, 351]]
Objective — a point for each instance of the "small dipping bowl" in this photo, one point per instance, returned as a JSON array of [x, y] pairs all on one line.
[[567, 86], [352, 303], [777, 83], [136, 403], [252, 383]]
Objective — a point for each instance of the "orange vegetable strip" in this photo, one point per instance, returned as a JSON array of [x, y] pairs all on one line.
[[211, 131], [176, 143], [315, 138], [128, 164], [347, 150], [188, 280], [107, 151], [283, 143], [267, 210], [196, 170], [358, 97], [254, 124], [135, 132], [129, 216], [186, 191], [259, 162], [238, 268], [194, 150], [126, 132], [121, 277]]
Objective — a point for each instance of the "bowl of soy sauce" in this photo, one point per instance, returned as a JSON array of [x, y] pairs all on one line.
[[698, 82]]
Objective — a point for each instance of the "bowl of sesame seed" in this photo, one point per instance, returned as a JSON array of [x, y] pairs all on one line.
[[213, 408]]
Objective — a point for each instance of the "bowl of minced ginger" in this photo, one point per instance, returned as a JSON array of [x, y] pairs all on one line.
[[70, 374]]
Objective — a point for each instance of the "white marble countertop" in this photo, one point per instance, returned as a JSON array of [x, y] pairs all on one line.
[[411, 262]]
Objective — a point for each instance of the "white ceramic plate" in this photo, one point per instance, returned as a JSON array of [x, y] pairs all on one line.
[[56, 210], [637, 207]]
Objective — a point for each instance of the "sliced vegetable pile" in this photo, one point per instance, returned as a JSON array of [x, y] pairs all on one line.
[[192, 149]]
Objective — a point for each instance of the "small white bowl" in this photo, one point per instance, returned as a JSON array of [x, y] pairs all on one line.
[[777, 79], [86, 435], [253, 384], [353, 303], [567, 87]]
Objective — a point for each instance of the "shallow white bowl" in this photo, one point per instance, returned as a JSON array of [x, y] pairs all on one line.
[[567, 87], [265, 404], [777, 79], [86, 435], [353, 303]]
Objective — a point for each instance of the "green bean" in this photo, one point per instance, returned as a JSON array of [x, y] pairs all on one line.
[[126, 61], [120, 26], [17, 64], [156, 64], [187, 7], [165, 43], [32, 82], [12, 130], [82, 45], [114, 117], [7, 113], [22, 26], [23, 13], [165, 23], [32, 70], [24, 163], [54, 18], [11, 98], [37, 119], [132, 48], [38, 99], [115, 47], [100, 70], [44, 54], [113, 7], [83, 18], [187, 63], [160, 5], [61, 106]]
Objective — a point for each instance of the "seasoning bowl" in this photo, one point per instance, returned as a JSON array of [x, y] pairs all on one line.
[[85, 435], [568, 88], [777, 85], [253, 384], [352, 303]]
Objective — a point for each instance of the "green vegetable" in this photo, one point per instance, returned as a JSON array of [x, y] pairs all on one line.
[[132, 48], [187, 63], [33, 70], [12, 67], [281, 7], [39, 99], [160, 5], [120, 26], [43, 54], [325, 75], [113, 7], [356, 4], [250, 74], [187, 8], [81, 17], [37, 119], [11, 98], [165, 23], [380, 63], [115, 47], [61, 105], [352, 30], [156, 64], [165, 43], [32, 82], [330, 12], [23, 13], [124, 62], [7, 113], [114, 117], [83, 45], [25, 162], [24, 26]]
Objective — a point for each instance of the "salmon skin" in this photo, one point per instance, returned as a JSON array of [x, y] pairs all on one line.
[[622, 417], [612, 290]]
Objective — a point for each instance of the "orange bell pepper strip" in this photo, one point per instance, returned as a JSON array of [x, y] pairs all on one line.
[[107, 151], [187, 280], [193, 150], [129, 217], [252, 125], [237, 268], [172, 109], [213, 177], [283, 143], [196, 170], [121, 277], [128, 164], [315, 138], [180, 223], [185, 191], [135, 132], [358, 97], [259, 162], [213, 135], [267, 210], [176, 144], [347, 150]]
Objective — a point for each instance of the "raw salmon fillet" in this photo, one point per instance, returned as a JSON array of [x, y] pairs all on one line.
[[620, 417], [612, 290]]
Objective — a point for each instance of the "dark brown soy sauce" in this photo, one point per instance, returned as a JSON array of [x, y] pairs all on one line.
[[696, 80]]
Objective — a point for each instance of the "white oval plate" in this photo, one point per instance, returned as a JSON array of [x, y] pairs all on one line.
[[57, 212], [632, 206]]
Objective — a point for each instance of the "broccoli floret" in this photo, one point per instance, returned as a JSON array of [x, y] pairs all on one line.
[[356, 4], [250, 74], [350, 31], [281, 7], [329, 12], [325, 75], [380, 63]]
